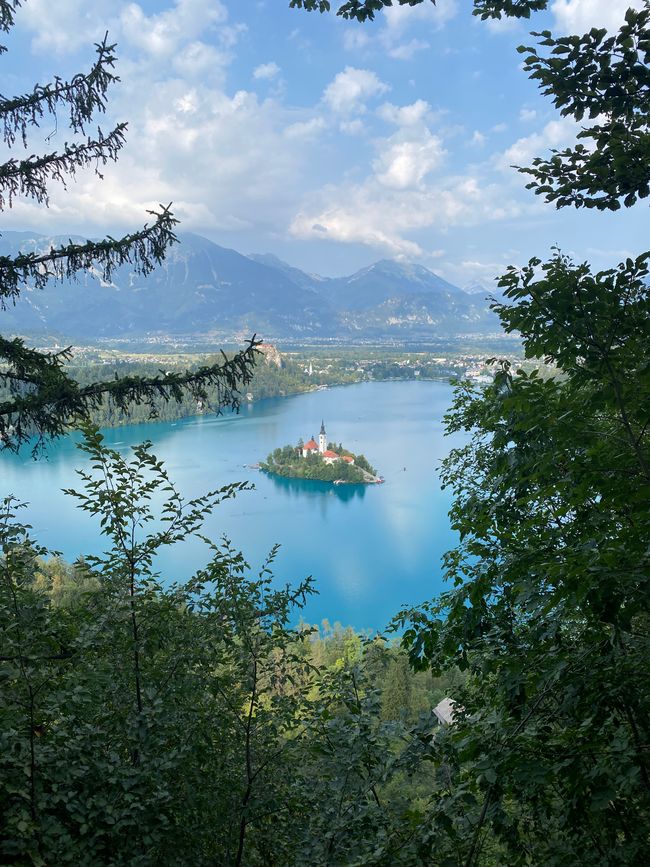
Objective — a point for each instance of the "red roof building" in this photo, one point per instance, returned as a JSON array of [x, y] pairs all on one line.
[[329, 454], [347, 459]]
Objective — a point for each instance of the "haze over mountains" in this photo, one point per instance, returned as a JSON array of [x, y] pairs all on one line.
[[202, 288]]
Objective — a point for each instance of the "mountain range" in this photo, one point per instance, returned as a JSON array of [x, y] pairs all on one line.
[[202, 288]]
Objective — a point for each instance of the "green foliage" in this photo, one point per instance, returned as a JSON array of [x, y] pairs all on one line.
[[396, 697], [547, 760], [605, 79], [170, 397], [65, 584], [266, 381], [143, 723], [550, 611], [362, 462]]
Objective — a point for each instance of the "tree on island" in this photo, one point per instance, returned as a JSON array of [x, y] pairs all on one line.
[[44, 400], [547, 761]]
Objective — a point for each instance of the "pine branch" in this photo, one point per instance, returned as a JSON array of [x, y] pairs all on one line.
[[83, 94], [46, 402], [29, 177], [143, 250], [7, 10]]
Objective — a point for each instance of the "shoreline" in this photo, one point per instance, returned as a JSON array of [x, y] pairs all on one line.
[[370, 480], [126, 422]]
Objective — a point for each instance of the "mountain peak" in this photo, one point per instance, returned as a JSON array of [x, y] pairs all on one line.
[[203, 288]]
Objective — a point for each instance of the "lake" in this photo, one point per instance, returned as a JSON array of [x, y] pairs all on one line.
[[371, 549]]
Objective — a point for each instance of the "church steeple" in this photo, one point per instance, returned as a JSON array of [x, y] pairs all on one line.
[[322, 438]]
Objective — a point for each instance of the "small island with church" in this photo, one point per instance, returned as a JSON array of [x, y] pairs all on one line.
[[321, 461]]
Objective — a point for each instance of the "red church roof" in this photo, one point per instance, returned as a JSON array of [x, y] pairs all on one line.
[[348, 459], [311, 445], [329, 454]]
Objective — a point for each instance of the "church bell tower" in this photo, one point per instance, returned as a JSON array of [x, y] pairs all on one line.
[[322, 438]]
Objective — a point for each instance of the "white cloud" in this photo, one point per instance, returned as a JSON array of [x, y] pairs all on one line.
[[306, 129], [473, 271], [355, 38], [405, 164], [66, 25], [232, 160], [266, 71], [395, 36], [405, 193], [160, 34], [226, 160], [578, 16], [556, 134], [527, 114], [501, 25], [478, 138], [406, 50], [348, 227], [350, 89], [198, 59], [404, 115], [187, 103], [352, 127], [380, 217], [400, 18]]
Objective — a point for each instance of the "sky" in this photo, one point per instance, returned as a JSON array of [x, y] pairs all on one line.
[[327, 142]]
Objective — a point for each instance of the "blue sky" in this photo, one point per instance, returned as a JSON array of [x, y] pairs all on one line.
[[329, 143]]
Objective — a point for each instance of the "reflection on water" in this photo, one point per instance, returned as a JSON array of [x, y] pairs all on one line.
[[310, 488]]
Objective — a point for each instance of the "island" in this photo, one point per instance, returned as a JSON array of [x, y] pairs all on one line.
[[321, 461]]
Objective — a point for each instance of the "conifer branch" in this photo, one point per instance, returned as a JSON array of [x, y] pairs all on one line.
[[29, 177], [46, 402], [84, 95], [143, 250]]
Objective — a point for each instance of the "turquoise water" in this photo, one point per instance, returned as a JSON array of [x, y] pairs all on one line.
[[371, 549]]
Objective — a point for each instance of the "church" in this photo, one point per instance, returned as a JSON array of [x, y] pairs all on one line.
[[320, 447]]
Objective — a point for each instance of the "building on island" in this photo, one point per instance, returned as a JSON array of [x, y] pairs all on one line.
[[312, 447]]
